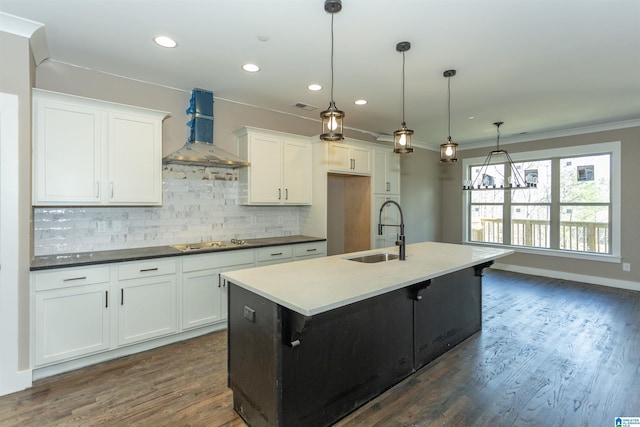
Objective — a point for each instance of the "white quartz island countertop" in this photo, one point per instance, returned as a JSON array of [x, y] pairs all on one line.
[[317, 285]]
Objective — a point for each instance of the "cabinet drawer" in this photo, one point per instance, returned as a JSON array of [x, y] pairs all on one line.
[[216, 260], [310, 249], [68, 277], [135, 270], [274, 253]]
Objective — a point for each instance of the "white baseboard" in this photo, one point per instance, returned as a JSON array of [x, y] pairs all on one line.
[[595, 280], [20, 381]]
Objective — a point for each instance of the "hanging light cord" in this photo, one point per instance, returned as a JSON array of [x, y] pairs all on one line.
[[403, 122], [449, 106], [332, 13], [498, 138]]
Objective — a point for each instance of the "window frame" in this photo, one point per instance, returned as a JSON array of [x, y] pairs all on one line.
[[613, 148]]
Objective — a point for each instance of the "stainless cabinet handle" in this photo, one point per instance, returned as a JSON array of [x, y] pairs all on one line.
[[122, 296], [279, 253], [219, 281], [388, 186], [106, 299], [286, 194], [312, 250], [111, 185], [74, 278], [279, 193], [144, 270]]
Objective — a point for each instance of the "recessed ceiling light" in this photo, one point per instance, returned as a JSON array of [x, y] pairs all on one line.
[[471, 117], [165, 41], [251, 68], [314, 86], [360, 101]]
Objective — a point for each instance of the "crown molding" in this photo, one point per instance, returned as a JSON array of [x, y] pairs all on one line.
[[515, 139]]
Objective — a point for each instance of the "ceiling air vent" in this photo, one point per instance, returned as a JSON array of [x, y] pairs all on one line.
[[304, 107]]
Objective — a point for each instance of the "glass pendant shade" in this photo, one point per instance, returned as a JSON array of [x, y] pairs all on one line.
[[402, 140], [448, 152], [332, 123]]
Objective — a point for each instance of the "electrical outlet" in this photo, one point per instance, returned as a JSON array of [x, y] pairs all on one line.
[[116, 226], [102, 226], [626, 266], [249, 314]]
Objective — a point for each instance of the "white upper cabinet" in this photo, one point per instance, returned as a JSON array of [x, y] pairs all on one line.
[[386, 172], [90, 152], [280, 171], [348, 158]]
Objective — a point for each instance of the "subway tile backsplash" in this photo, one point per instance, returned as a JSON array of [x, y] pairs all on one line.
[[199, 204]]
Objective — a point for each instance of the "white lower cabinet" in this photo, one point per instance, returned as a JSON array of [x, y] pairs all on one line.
[[309, 250], [81, 313], [71, 314], [204, 296], [147, 300], [201, 301], [274, 255]]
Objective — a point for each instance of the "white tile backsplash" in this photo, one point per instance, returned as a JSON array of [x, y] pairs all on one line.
[[199, 204]]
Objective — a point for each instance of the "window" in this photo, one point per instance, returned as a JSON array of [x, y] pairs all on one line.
[[574, 208]]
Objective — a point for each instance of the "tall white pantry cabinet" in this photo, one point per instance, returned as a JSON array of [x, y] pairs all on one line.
[[88, 152]]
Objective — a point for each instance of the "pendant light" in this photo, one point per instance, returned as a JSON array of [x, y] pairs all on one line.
[[402, 137], [332, 117], [484, 181], [448, 149]]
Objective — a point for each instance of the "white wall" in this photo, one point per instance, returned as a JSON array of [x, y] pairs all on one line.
[[15, 79]]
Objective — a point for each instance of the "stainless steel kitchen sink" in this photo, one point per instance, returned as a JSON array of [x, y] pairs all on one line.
[[372, 258]]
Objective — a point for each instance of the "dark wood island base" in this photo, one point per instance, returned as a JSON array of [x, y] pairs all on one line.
[[288, 369]]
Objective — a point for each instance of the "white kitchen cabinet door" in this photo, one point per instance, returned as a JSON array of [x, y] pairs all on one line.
[[201, 298], [265, 155], [361, 160], [280, 171], [90, 152], [135, 160], [347, 158], [296, 159], [147, 308], [339, 157], [386, 172], [67, 153], [204, 292], [70, 323]]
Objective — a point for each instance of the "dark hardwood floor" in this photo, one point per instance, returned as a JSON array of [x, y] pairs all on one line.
[[551, 353]]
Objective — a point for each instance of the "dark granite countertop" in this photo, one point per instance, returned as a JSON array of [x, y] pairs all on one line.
[[46, 262]]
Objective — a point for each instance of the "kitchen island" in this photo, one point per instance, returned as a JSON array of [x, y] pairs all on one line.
[[311, 341]]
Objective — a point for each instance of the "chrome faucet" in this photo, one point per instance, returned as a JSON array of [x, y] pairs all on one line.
[[400, 241]]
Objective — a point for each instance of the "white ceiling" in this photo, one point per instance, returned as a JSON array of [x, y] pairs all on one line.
[[538, 65]]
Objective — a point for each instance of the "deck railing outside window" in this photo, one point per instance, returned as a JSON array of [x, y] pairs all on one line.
[[574, 235]]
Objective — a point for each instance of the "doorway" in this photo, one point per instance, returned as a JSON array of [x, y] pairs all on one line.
[[348, 213]]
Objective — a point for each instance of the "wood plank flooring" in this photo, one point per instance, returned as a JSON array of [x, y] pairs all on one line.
[[551, 353]]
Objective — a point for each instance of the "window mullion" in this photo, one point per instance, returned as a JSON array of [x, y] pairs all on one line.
[[506, 209], [554, 220]]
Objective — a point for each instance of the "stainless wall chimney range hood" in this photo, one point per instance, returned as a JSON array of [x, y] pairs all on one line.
[[199, 149]]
